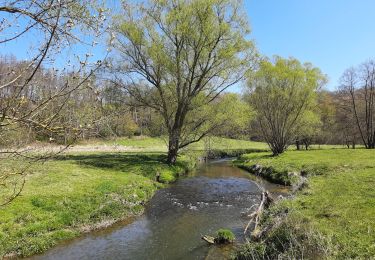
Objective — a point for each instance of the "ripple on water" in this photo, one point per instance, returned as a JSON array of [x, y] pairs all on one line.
[[217, 196]]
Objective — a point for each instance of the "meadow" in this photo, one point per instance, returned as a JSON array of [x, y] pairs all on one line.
[[337, 203]]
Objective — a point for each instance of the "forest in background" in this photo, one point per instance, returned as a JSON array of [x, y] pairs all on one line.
[[102, 109]]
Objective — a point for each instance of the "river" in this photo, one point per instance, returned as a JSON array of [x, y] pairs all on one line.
[[216, 195]]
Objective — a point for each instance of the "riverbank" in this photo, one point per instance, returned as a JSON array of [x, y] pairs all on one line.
[[333, 216], [81, 191], [75, 194], [214, 196]]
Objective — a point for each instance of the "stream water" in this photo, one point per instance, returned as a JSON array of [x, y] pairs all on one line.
[[216, 195]]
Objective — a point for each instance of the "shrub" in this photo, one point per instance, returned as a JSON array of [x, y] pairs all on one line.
[[251, 251], [167, 177], [224, 236], [290, 237]]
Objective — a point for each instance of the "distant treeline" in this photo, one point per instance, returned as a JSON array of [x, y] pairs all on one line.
[[102, 109], [94, 109]]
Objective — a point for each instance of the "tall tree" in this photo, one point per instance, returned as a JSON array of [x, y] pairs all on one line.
[[359, 86], [177, 56], [281, 92]]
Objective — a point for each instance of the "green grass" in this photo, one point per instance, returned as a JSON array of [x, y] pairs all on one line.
[[77, 192], [342, 206], [312, 162], [159, 144], [339, 201]]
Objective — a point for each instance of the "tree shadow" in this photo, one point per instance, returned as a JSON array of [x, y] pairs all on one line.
[[242, 159], [143, 164]]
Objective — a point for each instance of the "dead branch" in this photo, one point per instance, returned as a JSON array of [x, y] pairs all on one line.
[[209, 239], [255, 216]]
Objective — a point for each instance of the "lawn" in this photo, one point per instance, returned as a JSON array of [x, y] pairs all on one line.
[[339, 201]]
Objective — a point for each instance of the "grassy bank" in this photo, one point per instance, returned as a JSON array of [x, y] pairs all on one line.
[[77, 193], [333, 217], [81, 191]]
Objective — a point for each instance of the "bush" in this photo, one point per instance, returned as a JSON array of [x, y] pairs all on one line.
[[224, 236], [251, 251], [290, 237], [167, 177]]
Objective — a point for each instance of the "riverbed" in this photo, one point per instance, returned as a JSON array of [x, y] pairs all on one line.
[[216, 195]]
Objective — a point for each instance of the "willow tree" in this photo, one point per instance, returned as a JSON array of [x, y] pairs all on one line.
[[179, 55], [283, 92]]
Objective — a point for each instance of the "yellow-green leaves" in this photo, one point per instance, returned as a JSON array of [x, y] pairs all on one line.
[[186, 52], [133, 32], [283, 92]]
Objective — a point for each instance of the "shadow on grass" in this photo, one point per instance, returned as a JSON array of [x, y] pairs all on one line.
[[245, 159], [143, 164]]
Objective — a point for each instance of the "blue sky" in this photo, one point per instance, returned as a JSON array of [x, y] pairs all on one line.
[[332, 34]]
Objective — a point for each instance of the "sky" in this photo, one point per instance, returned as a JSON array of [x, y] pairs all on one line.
[[332, 34]]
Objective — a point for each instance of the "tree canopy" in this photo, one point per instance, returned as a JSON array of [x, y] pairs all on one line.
[[281, 93], [177, 56]]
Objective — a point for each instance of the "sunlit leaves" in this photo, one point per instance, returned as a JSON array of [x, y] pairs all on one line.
[[282, 93]]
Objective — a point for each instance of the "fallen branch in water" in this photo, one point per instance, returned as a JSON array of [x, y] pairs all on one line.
[[209, 239], [255, 217]]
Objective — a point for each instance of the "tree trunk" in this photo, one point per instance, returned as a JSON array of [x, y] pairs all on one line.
[[371, 144], [298, 145], [277, 149], [173, 146], [172, 156]]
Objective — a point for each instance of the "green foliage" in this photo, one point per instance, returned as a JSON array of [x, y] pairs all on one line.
[[309, 127], [328, 112], [180, 72], [232, 116], [281, 92], [251, 251], [167, 177], [224, 236], [115, 124]]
